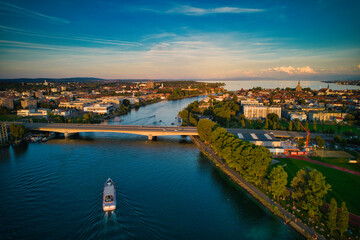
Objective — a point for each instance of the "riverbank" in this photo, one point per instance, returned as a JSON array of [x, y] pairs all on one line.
[[272, 206]]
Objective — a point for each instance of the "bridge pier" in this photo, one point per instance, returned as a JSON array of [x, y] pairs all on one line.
[[151, 137], [66, 134]]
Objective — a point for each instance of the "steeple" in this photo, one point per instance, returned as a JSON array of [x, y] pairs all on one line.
[[298, 87]]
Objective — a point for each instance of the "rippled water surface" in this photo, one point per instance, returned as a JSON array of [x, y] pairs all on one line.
[[166, 189]]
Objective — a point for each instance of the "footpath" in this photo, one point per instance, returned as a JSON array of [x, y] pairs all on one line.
[[274, 207]]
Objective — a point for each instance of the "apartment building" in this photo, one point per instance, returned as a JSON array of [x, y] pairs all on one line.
[[256, 112]]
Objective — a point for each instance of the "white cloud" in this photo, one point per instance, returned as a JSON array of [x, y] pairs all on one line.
[[160, 35], [69, 37], [29, 13], [292, 70], [189, 10]]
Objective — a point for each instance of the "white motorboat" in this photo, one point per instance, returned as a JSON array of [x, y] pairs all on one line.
[[109, 196]]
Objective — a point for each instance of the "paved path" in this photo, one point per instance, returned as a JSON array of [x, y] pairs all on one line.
[[294, 222], [324, 164]]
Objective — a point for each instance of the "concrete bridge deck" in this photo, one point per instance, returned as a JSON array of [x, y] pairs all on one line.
[[150, 131]]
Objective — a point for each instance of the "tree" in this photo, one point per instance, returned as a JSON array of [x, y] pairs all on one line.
[[273, 117], [274, 125], [205, 128], [278, 181], [242, 123], [266, 124], [126, 103], [319, 141], [17, 131], [306, 125], [290, 126], [301, 143], [338, 139], [235, 98], [349, 117], [343, 219], [309, 190], [332, 215], [4, 110]]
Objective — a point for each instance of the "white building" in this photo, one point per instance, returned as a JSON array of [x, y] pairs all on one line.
[[63, 112], [33, 112], [97, 108], [325, 116], [251, 101], [298, 115], [115, 101], [256, 112]]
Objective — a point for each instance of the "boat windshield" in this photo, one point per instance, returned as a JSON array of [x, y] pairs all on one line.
[[109, 198]]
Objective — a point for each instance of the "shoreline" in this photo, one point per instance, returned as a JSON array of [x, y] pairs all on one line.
[[259, 196]]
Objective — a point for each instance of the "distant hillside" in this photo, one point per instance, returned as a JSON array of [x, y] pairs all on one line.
[[76, 79], [81, 79]]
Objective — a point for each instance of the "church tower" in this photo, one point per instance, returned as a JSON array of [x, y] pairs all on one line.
[[298, 87]]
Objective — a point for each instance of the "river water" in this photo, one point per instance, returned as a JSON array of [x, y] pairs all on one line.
[[166, 189]]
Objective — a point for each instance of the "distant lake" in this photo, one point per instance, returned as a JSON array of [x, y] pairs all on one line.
[[233, 85]]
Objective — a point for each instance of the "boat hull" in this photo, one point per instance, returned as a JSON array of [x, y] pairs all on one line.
[[109, 196]]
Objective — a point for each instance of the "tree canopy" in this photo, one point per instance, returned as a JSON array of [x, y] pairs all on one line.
[[17, 131], [332, 215], [309, 189], [343, 219], [205, 128], [278, 181]]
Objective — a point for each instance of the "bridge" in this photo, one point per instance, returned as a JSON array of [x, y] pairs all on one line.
[[151, 131]]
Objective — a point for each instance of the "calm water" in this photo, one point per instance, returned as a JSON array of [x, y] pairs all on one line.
[[166, 189], [315, 85]]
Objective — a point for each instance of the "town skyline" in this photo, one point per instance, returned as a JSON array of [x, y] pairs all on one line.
[[180, 40]]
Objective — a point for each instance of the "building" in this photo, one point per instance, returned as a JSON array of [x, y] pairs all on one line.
[[39, 94], [97, 108], [64, 112], [256, 112], [115, 101], [298, 87], [267, 140], [3, 133], [33, 112], [325, 116], [297, 115], [29, 103], [74, 104], [8, 103], [250, 101], [150, 85]]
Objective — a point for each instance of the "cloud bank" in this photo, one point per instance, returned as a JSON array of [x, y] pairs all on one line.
[[195, 11], [292, 70]]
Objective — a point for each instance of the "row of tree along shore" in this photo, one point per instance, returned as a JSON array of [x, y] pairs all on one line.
[[303, 204]]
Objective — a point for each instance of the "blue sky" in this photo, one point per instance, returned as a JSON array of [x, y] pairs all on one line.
[[317, 39]]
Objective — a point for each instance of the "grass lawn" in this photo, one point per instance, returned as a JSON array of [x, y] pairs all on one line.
[[9, 117], [345, 186], [337, 128], [340, 162]]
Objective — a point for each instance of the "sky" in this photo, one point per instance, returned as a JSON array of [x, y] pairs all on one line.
[[197, 39]]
